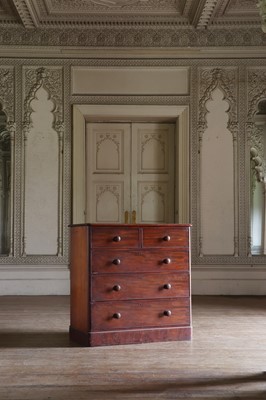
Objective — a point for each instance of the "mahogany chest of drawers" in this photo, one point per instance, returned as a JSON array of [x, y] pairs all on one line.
[[130, 283]]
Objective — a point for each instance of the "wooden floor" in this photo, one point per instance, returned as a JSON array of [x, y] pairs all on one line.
[[225, 360]]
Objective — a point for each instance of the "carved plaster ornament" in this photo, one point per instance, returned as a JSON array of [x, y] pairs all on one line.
[[259, 165], [262, 9], [117, 3]]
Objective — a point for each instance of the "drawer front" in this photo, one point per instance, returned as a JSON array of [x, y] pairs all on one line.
[[140, 286], [119, 261], [166, 237], [112, 237], [140, 314]]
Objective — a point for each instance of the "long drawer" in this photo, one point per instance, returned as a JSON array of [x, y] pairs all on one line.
[[119, 261], [114, 315], [139, 286]]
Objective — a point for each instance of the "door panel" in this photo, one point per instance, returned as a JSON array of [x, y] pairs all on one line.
[[108, 171], [130, 172], [153, 172]]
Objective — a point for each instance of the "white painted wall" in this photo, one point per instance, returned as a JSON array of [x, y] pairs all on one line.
[[217, 180], [41, 179]]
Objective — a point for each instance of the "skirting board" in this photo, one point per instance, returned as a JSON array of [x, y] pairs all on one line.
[[34, 280], [229, 280], [206, 280]]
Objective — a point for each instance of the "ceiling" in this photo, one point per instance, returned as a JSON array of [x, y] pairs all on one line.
[[196, 14]]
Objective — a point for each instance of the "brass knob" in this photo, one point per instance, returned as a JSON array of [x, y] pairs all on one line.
[[117, 315], [116, 261], [167, 313], [167, 261], [117, 239], [167, 286], [116, 288], [167, 238]]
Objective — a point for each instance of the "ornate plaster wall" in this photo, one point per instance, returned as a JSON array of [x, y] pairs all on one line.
[[242, 82]]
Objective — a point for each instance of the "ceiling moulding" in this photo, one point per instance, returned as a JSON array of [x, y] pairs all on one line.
[[131, 53], [203, 13], [154, 37], [26, 14], [262, 10]]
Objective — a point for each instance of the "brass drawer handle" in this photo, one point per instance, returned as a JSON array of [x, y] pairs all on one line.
[[117, 239], [117, 288], [167, 313], [126, 217], [134, 217], [167, 238], [167, 261], [167, 286], [117, 315], [116, 261]]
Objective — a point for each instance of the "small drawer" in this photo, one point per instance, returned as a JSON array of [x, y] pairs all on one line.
[[166, 237], [140, 286], [114, 315], [113, 261], [113, 237]]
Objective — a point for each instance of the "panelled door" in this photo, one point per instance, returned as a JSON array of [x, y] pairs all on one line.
[[130, 172]]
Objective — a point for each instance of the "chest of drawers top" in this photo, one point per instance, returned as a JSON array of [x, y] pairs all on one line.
[[118, 236]]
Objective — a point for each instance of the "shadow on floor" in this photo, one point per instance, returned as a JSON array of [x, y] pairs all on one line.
[[35, 339]]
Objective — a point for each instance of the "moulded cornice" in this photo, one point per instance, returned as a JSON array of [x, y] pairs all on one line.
[[134, 37], [26, 13], [79, 52]]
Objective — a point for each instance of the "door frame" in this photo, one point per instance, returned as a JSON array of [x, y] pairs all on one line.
[[84, 113]]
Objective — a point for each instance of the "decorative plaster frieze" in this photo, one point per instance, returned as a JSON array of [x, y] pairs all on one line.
[[256, 81], [75, 7], [7, 92], [134, 36]]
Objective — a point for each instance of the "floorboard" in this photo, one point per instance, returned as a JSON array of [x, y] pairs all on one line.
[[226, 358]]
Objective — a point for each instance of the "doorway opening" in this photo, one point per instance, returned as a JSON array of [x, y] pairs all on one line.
[[172, 173]]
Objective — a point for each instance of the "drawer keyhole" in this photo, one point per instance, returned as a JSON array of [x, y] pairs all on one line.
[[117, 288], [167, 238], [117, 315], [117, 239]]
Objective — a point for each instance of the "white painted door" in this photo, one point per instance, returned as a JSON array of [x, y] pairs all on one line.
[[130, 172]]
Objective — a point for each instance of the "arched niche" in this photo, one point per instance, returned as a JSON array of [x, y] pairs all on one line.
[[258, 181], [5, 185]]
